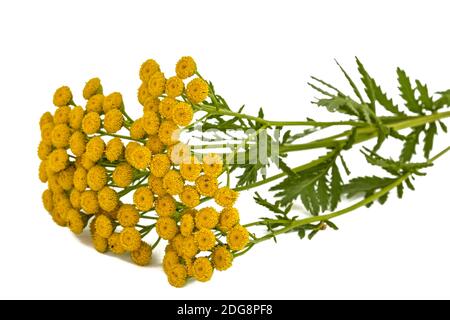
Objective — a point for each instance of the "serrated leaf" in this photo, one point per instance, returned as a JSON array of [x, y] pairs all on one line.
[[424, 96], [262, 202], [351, 82], [365, 185], [400, 190], [322, 193], [383, 198], [443, 126], [351, 139], [340, 104], [369, 84], [409, 147], [409, 184], [407, 92], [335, 187], [430, 132]]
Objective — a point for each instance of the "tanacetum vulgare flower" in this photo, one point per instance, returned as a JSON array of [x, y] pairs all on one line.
[[89, 202], [166, 228], [190, 196], [186, 225], [76, 117], [92, 87], [166, 107], [112, 101], [222, 258], [185, 67], [91, 123], [151, 104], [228, 218], [44, 149], [127, 215], [156, 84], [95, 103], [202, 269], [62, 115], [137, 129], [77, 143], [168, 132], [182, 114], [226, 197], [237, 238], [148, 68], [100, 243], [212, 164], [130, 239], [190, 170], [80, 179], [140, 157], [95, 148], [75, 199], [114, 149], [108, 199], [206, 217], [114, 244], [143, 255], [150, 122], [173, 182], [176, 275], [174, 87], [205, 239], [206, 185], [104, 227], [76, 221], [143, 198], [160, 165], [165, 206], [45, 118], [58, 160], [61, 135], [113, 121], [197, 90], [62, 96]]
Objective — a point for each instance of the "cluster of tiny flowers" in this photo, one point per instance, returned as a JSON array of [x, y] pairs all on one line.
[[89, 168]]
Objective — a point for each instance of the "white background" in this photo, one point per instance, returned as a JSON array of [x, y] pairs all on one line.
[[258, 53]]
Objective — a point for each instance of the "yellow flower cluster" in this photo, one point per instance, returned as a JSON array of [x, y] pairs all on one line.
[[90, 166]]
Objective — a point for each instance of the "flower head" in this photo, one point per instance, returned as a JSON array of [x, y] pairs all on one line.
[[174, 87], [202, 269], [62, 96], [197, 90], [166, 228], [186, 67], [92, 87]]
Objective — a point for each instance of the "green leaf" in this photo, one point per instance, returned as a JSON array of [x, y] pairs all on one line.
[[407, 92], [351, 82], [369, 84], [400, 190], [312, 234], [340, 104], [427, 101], [430, 132], [322, 193], [262, 202], [443, 126], [331, 225], [335, 187], [409, 147], [301, 233], [387, 103], [365, 185]]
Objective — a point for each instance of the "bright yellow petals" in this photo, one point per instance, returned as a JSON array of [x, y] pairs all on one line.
[[168, 132], [156, 84], [43, 171], [143, 93], [60, 136], [47, 200], [104, 226], [62, 96], [89, 202], [156, 185], [75, 198], [112, 101], [166, 107], [113, 121], [186, 67], [44, 149], [76, 117], [114, 244], [226, 197], [86, 162], [123, 175], [95, 148], [46, 132], [174, 87], [100, 243], [160, 165], [97, 177], [187, 247], [237, 238], [182, 114], [165, 206], [77, 143], [92, 87], [45, 119], [140, 157], [228, 218], [95, 103], [80, 179], [154, 144], [222, 258], [205, 239], [180, 153], [148, 68], [62, 115], [114, 149], [137, 129], [190, 196], [206, 218], [191, 169], [206, 185], [151, 104], [176, 275], [91, 123], [212, 165], [143, 255], [166, 228], [150, 122], [58, 160], [202, 269], [127, 215], [108, 199], [65, 178], [186, 225], [197, 90], [76, 221], [130, 239], [143, 198], [173, 182]]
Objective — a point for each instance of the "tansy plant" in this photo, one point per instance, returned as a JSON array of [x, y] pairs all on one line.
[[93, 158]]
